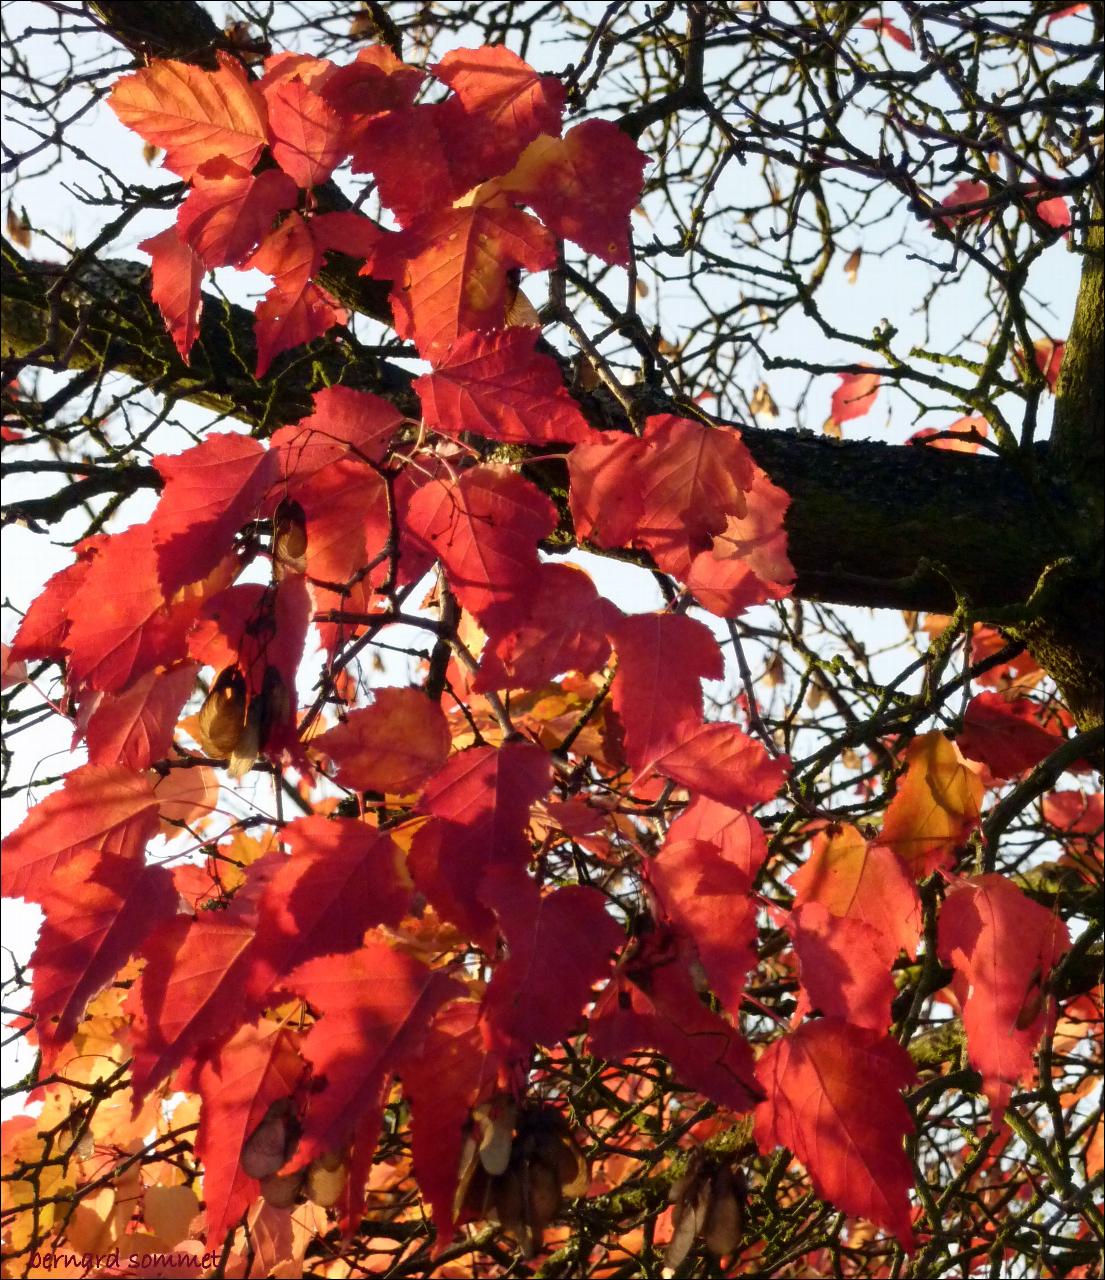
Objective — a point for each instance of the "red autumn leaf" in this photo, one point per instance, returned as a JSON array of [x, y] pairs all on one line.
[[722, 762], [375, 1007], [855, 395], [124, 622], [288, 68], [45, 626], [484, 528], [106, 808], [956, 437], [651, 1003], [842, 966], [857, 880], [1005, 735], [605, 492], [100, 907], [192, 114], [1071, 811], [833, 1098], [229, 211], [342, 878], [452, 1073], [935, 806], [344, 423], [693, 479], [375, 82], [13, 672], [135, 727], [295, 310], [560, 626], [1002, 946], [583, 186], [748, 561], [500, 106], [889, 29], [1065, 10], [961, 203], [657, 691], [258, 1067], [1054, 211], [176, 275], [405, 151], [307, 133], [210, 491], [1048, 355], [558, 946], [392, 746], [451, 272], [498, 386], [481, 800], [705, 890], [189, 998]]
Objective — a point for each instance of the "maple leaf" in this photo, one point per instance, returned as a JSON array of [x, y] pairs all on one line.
[[857, 880], [500, 106], [119, 623], [651, 1003], [947, 437], [176, 275], [453, 1071], [833, 1098], [583, 186], [405, 151], [705, 890], [342, 878], [100, 907], [259, 1066], [558, 946], [229, 211], [842, 971], [192, 114], [724, 763], [854, 396], [747, 562], [693, 478], [1005, 735], [392, 746], [481, 800], [344, 423], [1002, 946], [210, 491], [657, 691], [605, 491], [561, 626], [376, 1006], [106, 808], [450, 272], [295, 310], [375, 82], [1054, 211], [936, 804], [498, 386], [135, 727], [1048, 356], [889, 29], [44, 627], [960, 204], [484, 528], [188, 999], [307, 133]]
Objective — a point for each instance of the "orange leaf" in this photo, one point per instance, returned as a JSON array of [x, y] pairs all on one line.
[[392, 746], [936, 804], [194, 115]]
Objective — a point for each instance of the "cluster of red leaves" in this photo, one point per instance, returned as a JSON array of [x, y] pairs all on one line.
[[343, 956], [453, 174]]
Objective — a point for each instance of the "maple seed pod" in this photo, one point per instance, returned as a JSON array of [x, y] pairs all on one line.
[[326, 1179], [248, 747], [273, 1142], [510, 1205], [222, 717], [281, 1190], [495, 1121], [289, 538], [543, 1201], [725, 1218]]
